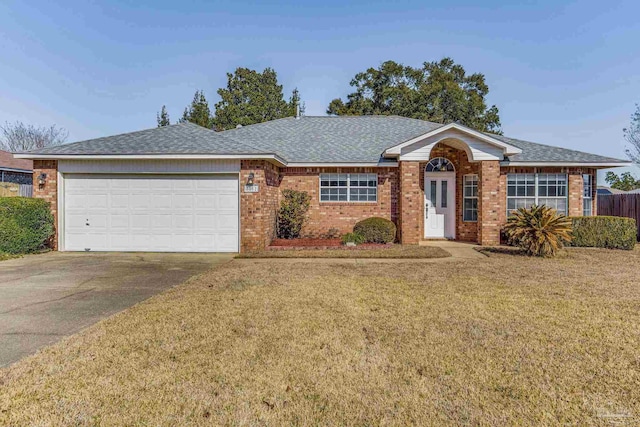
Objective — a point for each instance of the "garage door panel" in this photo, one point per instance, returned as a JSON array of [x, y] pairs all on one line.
[[151, 213]]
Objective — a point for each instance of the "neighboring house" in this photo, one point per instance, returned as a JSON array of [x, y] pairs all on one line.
[[187, 188], [605, 191], [17, 171]]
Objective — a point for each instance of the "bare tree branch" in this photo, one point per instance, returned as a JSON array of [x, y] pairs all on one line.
[[632, 135], [17, 137]]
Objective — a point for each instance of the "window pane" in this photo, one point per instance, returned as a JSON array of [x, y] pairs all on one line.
[[470, 210], [432, 193], [443, 194], [586, 207]]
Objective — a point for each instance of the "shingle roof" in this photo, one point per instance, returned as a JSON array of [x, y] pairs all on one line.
[[534, 152], [7, 161], [332, 139], [355, 139], [181, 138]]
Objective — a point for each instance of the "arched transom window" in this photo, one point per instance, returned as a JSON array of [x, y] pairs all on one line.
[[439, 164]]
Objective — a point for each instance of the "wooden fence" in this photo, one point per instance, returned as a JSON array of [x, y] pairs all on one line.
[[620, 205], [10, 189], [26, 190]]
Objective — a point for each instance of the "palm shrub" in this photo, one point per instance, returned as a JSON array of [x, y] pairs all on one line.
[[540, 231], [292, 214]]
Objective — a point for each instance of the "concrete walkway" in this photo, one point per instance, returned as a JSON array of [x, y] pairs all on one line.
[[456, 249]]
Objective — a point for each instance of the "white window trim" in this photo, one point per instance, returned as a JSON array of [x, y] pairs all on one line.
[[464, 197], [590, 196], [348, 187], [536, 196]]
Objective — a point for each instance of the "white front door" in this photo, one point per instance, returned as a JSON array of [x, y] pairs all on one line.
[[440, 205]]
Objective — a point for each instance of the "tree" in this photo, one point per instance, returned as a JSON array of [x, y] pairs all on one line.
[[632, 135], [441, 92], [252, 97], [17, 137], [296, 104], [163, 117], [624, 182], [198, 112]]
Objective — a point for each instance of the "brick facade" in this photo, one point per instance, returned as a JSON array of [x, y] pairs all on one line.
[[490, 203], [411, 203], [258, 210], [48, 191], [400, 198], [333, 219]]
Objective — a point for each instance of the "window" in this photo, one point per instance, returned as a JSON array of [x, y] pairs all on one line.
[[443, 194], [552, 191], [470, 210], [527, 189], [587, 195], [348, 187], [439, 164]]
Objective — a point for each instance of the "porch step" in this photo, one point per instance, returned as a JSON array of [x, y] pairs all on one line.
[[427, 242]]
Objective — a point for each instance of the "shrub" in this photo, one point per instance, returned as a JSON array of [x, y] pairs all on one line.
[[356, 238], [26, 225], [376, 230], [292, 214], [540, 231], [612, 232]]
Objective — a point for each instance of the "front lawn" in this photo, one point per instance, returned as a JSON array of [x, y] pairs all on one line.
[[394, 251], [503, 340], [5, 256]]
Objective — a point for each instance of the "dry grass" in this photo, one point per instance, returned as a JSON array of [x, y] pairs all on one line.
[[5, 256], [507, 340], [395, 251]]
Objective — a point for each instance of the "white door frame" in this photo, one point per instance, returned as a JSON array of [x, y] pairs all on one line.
[[450, 211]]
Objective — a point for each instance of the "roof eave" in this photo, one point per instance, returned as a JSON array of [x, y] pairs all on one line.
[[256, 156], [566, 164]]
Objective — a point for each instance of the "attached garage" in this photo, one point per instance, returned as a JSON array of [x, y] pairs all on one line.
[[129, 206]]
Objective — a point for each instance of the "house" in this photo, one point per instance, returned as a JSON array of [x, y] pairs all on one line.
[[606, 191], [16, 171], [187, 188]]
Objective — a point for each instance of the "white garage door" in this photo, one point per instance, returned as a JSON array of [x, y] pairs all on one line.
[[156, 213]]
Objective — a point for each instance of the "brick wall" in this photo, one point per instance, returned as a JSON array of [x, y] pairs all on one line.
[[491, 202], [411, 203], [258, 210], [332, 219], [48, 191]]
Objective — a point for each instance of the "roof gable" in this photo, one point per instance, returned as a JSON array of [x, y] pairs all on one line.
[[454, 130]]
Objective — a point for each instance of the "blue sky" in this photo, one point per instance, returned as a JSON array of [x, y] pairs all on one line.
[[562, 73]]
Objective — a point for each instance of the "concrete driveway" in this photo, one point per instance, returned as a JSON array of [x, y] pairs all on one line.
[[46, 297]]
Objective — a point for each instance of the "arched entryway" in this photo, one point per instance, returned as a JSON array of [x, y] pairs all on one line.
[[440, 199]]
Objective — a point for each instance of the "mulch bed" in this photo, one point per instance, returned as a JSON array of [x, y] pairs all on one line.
[[306, 243]]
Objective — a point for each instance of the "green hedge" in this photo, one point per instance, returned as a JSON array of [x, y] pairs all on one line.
[[376, 230], [612, 232], [26, 225]]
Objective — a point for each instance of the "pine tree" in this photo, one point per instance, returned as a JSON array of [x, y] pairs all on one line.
[[163, 117], [198, 112], [252, 97]]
